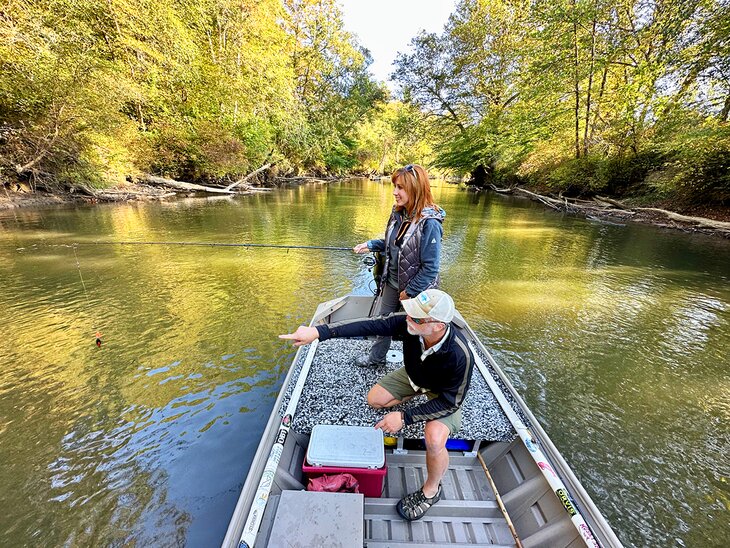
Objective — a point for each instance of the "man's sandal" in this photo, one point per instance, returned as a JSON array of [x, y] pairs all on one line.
[[414, 506]]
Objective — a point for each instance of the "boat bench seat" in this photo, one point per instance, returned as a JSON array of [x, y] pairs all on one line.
[[307, 518]]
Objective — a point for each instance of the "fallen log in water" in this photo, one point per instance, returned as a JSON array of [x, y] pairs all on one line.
[[701, 221], [249, 176], [501, 190], [550, 202], [307, 179], [611, 201], [609, 206], [190, 187]]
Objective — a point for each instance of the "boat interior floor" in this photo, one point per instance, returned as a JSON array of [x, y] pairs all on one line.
[[467, 514], [335, 392]]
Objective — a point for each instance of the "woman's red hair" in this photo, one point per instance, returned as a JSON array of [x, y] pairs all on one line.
[[414, 180]]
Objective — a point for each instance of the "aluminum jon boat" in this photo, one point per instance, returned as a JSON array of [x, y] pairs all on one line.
[[504, 486]]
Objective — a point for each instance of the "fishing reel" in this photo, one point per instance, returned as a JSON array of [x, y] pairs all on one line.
[[370, 262], [375, 262]]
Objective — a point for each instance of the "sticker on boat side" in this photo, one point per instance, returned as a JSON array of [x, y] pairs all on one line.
[[588, 536], [252, 520], [545, 466], [281, 436], [565, 499], [267, 478], [531, 445], [286, 421]]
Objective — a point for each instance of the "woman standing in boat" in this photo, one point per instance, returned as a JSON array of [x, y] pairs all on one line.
[[412, 249]]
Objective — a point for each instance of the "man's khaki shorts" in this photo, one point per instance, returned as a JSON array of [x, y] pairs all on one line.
[[397, 383]]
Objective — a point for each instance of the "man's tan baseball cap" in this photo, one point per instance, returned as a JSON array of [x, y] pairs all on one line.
[[432, 303]]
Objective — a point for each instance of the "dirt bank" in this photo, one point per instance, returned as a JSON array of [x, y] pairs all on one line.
[[154, 188], [665, 214]]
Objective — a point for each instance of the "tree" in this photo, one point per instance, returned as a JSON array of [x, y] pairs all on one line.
[[332, 83]]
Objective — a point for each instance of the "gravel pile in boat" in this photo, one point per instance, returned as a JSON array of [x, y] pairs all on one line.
[[335, 392]]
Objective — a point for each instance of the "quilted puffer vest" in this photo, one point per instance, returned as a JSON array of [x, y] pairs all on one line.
[[409, 258]]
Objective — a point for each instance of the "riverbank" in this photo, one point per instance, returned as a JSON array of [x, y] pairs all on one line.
[[661, 213], [154, 188], [664, 213]]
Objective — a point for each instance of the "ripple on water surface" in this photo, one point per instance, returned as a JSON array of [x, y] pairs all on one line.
[[617, 337]]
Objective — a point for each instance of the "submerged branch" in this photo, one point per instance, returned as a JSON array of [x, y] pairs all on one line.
[[609, 206]]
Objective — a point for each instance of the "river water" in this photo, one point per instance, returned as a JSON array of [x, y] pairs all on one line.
[[616, 336]]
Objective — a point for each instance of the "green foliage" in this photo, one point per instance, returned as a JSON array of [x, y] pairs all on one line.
[[583, 96], [333, 86], [699, 167], [394, 136], [206, 90], [474, 146]]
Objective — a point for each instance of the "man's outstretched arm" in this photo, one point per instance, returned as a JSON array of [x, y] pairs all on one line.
[[385, 326], [303, 335]]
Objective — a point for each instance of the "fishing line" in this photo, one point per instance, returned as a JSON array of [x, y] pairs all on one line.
[[83, 284], [368, 261], [78, 266], [208, 244]]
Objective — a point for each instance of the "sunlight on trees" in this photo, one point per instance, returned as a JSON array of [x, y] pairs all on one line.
[[580, 95], [93, 92]]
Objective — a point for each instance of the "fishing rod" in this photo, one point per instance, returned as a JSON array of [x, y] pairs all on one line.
[[205, 244], [369, 262]]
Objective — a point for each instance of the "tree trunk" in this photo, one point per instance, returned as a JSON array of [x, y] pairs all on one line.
[[479, 176], [184, 186], [381, 164], [27, 167], [597, 111], [588, 91], [576, 82], [725, 109]]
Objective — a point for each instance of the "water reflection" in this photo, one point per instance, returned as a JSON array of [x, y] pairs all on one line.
[[616, 336]]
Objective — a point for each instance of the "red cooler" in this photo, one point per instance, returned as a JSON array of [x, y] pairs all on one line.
[[356, 450]]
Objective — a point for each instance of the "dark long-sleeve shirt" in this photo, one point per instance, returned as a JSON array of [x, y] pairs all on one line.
[[446, 372]]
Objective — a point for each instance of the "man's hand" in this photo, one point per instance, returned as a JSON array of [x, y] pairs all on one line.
[[403, 296], [361, 248], [303, 335], [391, 423]]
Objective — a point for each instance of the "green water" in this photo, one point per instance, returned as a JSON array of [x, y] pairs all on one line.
[[617, 337]]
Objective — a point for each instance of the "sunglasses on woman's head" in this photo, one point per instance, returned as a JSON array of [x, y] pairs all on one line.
[[410, 168]]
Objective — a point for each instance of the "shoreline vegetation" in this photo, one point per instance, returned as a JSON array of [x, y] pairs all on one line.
[[563, 102], [147, 188], [599, 208]]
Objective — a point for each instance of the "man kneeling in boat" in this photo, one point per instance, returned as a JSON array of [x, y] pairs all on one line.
[[437, 361]]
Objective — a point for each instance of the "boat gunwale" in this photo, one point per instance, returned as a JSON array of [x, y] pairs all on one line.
[[593, 515]]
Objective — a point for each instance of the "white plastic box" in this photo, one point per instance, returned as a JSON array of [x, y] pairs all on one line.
[[346, 446], [356, 450]]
